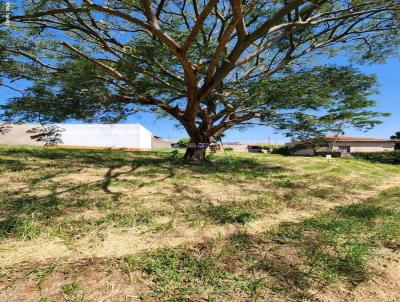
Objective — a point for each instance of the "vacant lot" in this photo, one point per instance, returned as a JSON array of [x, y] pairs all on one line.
[[79, 225]]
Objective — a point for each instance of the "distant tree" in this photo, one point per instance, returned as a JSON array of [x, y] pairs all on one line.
[[353, 111], [396, 137], [183, 142], [210, 65]]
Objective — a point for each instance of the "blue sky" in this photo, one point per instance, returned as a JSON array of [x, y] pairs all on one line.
[[389, 101]]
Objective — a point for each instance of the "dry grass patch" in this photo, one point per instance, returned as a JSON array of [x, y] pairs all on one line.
[[77, 198], [347, 254]]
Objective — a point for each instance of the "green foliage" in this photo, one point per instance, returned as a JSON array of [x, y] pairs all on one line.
[[342, 102], [385, 157], [77, 93], [283, 150], [102, 62], [183, 142], [342, 83], [396, 137]]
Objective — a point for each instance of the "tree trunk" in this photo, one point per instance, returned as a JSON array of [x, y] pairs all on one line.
[[199, 141], [195, 154]]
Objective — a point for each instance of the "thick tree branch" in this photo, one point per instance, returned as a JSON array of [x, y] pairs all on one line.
[[198, 25], [237, 17]]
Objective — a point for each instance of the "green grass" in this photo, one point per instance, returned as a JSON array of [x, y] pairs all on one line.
[[48, 201], [332, 247], [230, 214], [76, 197], [72, 292]]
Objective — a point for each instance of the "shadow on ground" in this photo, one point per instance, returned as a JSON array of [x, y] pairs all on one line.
[[34, 200]]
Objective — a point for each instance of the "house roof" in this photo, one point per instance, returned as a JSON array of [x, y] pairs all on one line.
[[357, 139]]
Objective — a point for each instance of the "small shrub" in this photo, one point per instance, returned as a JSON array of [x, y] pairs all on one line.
[[282, 150], [386, 157], [183, 142], [271, 146], [228, 149], [174, 153]]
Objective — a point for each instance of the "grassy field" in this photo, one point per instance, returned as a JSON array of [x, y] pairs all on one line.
[[80, 225]]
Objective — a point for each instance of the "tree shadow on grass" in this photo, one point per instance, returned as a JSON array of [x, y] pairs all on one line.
[[112, 176], [227, 165], [25, 212], [295, 260], [251, 167], [12, 165]]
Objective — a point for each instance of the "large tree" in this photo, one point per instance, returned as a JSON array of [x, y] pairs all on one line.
[[211, 65]]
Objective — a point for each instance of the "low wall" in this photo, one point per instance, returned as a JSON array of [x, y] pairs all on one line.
[[17, 136], [114, 136], [99, 136], [369, 146], [237, 147], [157, 143]]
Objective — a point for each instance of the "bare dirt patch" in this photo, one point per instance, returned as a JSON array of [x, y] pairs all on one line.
[[383, 285]]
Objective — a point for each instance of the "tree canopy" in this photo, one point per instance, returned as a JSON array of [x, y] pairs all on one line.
[[210, 65]]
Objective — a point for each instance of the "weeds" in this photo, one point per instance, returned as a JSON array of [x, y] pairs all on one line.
[[224, 213], [53, 193], [59, 184], [72, 292], [288, 261]]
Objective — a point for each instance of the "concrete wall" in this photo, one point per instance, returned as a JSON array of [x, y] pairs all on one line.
[[129, 136], [157, 143], [236, 147], [368, 146], [18, 136], [112, 136]]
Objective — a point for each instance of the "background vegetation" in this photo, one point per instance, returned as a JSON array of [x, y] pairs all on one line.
[[392, 157]]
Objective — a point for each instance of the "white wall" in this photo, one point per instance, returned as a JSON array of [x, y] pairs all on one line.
[[113, 136]]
